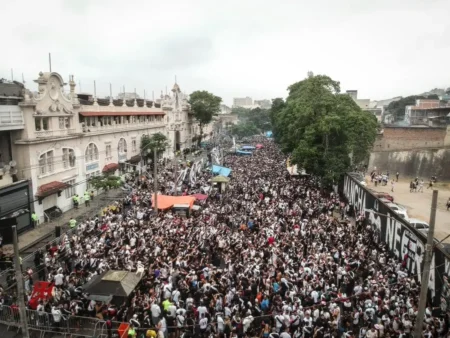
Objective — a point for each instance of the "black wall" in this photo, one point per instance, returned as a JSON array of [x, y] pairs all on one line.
[[401, 239]]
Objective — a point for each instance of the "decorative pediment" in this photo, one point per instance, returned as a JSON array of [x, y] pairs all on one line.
[[51, 98]]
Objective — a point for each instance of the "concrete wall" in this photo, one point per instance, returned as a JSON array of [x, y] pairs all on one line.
[[422, 163], [405, 138]]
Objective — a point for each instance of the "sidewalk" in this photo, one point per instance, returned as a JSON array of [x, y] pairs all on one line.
[[45, 232], [47, 229]]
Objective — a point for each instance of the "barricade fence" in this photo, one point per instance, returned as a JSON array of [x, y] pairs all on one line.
[[49, 325]]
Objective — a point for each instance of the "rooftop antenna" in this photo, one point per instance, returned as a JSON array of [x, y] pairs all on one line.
[[110, 95], [50, 61], [95, 93]]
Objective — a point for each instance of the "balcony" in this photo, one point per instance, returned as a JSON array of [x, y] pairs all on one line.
[[11, 119], [115, 127], [54, 133]]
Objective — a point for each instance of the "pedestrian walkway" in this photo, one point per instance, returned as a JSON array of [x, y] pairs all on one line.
[[43, 230]]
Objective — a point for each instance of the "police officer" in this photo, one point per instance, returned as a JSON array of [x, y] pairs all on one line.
[[76, 201], [87, 198], [34, 219], [72, 223]]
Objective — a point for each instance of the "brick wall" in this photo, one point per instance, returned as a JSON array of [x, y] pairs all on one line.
[[408, 138]]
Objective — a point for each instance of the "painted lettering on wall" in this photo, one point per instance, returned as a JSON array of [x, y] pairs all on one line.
[[404, 242]]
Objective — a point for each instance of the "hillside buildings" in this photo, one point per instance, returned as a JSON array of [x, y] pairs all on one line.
[[426, 112], [54, 141]]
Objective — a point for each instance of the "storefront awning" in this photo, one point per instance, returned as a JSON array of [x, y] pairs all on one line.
[[135, 159], [110, 167], [51, 188]]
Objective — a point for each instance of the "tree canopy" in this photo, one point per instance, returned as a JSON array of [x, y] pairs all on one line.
[[204, 106], [157, 141], [244, 129], [105, 182], [322, 128]]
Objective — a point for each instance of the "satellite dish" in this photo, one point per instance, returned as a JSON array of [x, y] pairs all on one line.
[[6, 167], [12, 163], [13, 171]]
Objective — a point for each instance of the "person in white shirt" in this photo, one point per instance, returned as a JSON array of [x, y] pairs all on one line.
[[203, 324], [156, 312], [59, 279], [57, 317], [285, 334], [220, 324]]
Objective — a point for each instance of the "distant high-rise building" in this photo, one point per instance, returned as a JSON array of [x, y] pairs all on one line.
[[242, 102], [264, 104]]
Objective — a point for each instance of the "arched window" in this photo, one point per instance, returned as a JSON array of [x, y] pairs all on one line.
[[91, 153], [46, 162], [68, 158], [122, 145]]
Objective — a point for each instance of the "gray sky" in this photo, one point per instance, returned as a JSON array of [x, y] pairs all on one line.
[[383, 48]]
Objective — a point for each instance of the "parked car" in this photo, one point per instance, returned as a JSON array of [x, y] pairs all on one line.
[[399, 210], [381, 194], [419, 224]]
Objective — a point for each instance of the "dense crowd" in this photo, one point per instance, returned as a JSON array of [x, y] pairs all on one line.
[[264, 258]]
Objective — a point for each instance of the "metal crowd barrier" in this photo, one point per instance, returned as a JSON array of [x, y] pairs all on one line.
[[42, 324]]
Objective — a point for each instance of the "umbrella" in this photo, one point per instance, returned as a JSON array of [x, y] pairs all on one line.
[[259, 146], [200, 197], [220, 179]]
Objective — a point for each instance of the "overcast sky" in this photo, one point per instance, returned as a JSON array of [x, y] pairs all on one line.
[[382, 48]]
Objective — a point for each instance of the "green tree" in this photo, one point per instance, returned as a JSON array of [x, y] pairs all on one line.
[[241, 112], [260, 118], [205, 106], [323, 128], [278, 105], [244, 130], [105, 182], [156, 141]]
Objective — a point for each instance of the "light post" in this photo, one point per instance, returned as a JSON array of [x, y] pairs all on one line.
[[155, 173]]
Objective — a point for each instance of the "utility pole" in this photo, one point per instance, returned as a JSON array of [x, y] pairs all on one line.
[[20, 288], [426, 268], [155, 178]]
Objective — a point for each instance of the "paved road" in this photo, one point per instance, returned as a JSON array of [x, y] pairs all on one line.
[[419, 204]]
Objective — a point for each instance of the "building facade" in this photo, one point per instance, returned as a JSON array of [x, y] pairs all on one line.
[[15, 192], [242, 102], [427, 112], [63, 143]]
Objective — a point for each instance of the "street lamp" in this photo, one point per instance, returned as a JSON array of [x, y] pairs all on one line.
[[155, 173]]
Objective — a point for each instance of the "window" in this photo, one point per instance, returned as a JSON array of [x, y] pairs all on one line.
[[68, 158], [46, 163], [91, 153], [122, 146], [108, 151], [133, 145], [41, 123], [64, 123], [70, 191], [89, 176]]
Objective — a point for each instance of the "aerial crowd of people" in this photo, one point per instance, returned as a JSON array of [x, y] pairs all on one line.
[[264, 257]]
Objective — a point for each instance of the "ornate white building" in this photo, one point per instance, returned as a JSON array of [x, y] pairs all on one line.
[[66, 140]]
